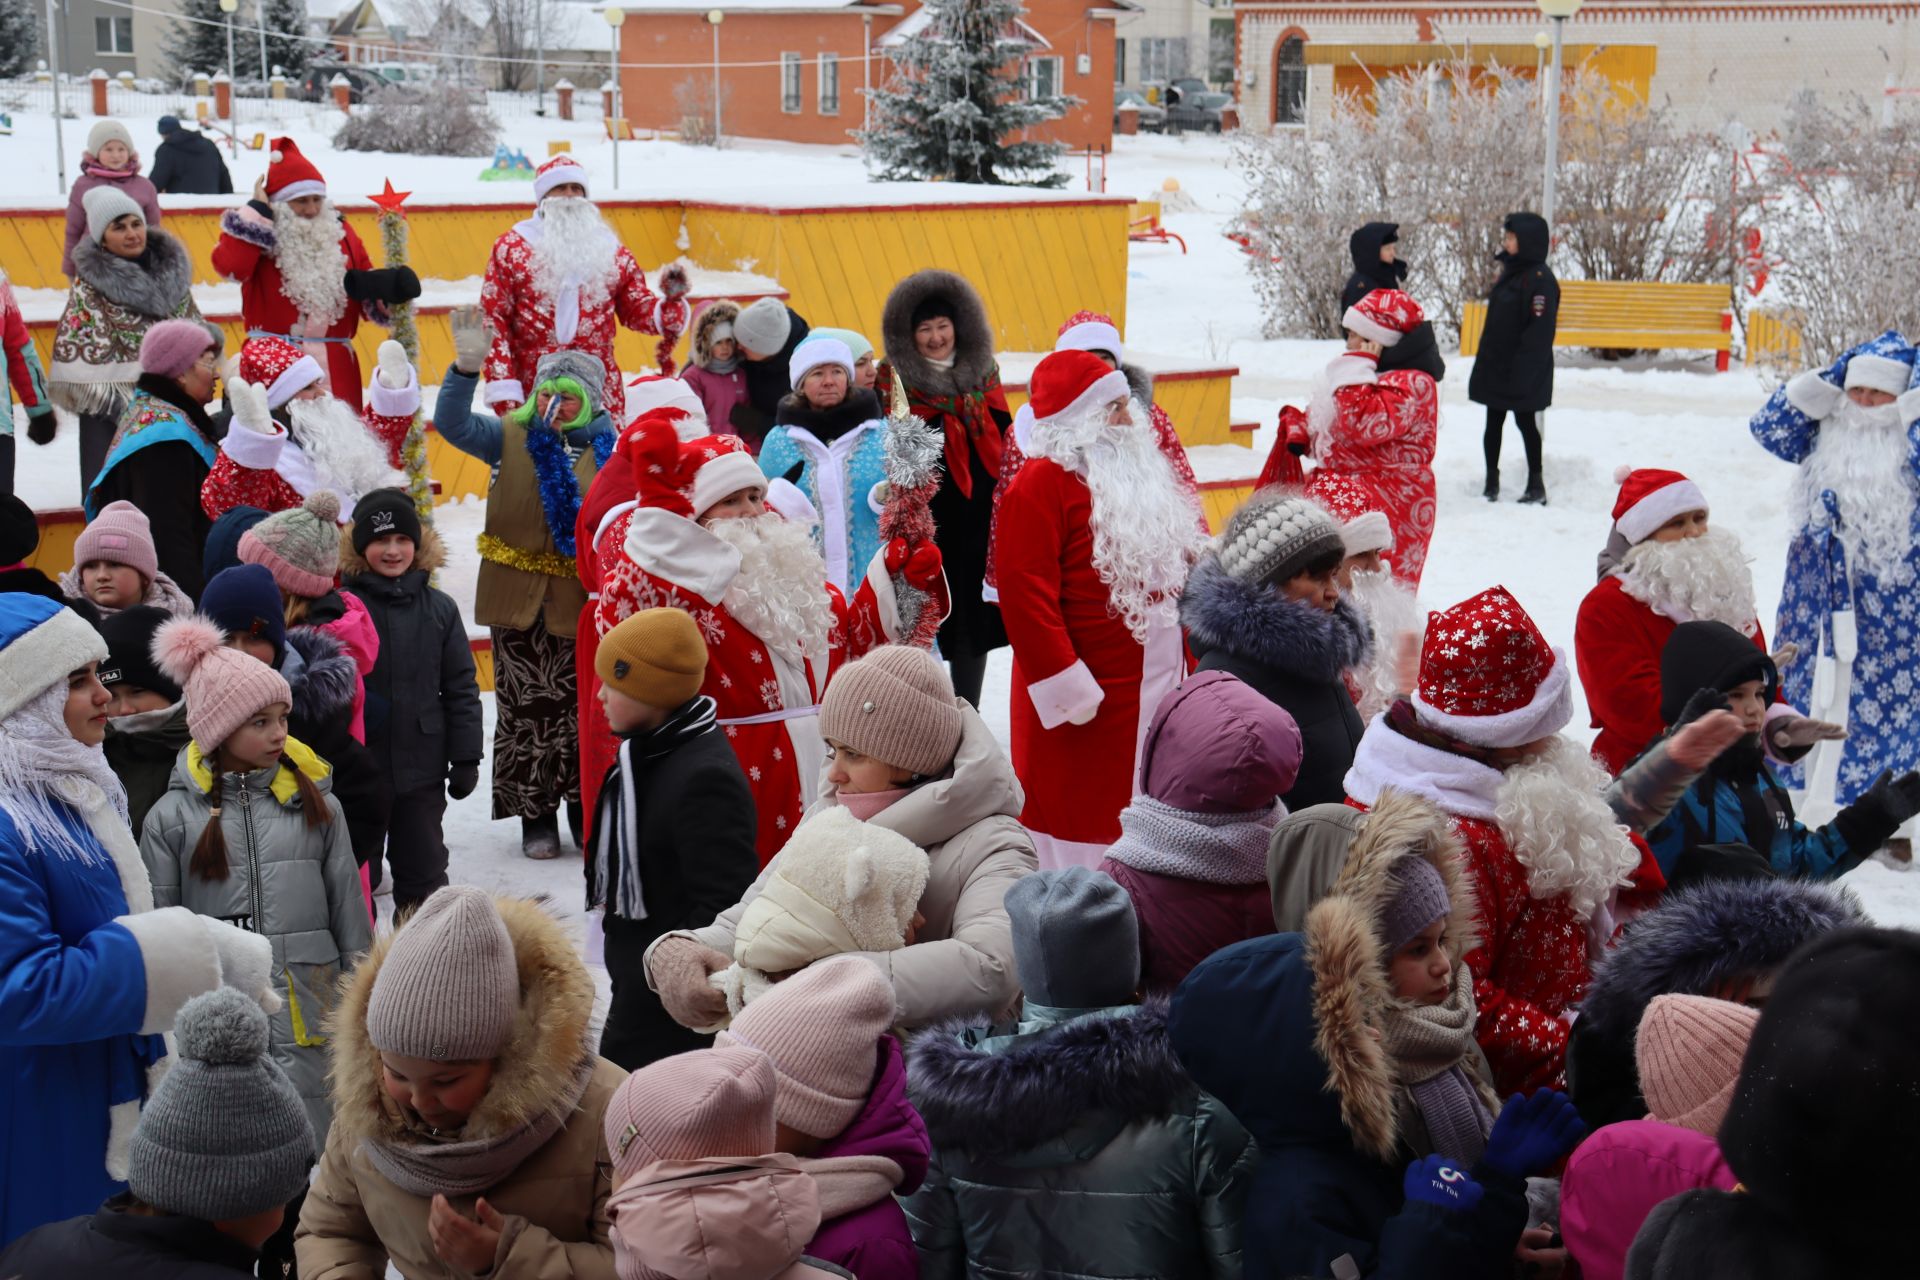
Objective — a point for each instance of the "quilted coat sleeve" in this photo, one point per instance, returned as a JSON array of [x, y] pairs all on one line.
[[335, 1240], [1224, 1159], [934, 1219]]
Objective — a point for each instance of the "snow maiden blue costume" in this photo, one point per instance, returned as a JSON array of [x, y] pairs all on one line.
[[90, 975]]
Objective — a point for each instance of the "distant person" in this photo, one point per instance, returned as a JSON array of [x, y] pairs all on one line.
[[109, 161], [1376, 262], [766, 333], [188, 163], [1514, 370]]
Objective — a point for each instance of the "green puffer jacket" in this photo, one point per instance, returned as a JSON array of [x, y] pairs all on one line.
[[1075, 1147]]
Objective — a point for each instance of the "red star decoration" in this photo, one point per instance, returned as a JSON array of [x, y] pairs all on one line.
[[390, 200]]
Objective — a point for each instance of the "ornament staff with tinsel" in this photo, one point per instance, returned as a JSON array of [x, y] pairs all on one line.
[[413, 449]]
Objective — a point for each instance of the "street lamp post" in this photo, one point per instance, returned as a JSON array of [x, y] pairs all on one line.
[[1559, 11], [616, 17], [714, 17], [227, 8], [266, 74]]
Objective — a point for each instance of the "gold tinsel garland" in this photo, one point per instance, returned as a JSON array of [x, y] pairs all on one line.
[[550, 563]]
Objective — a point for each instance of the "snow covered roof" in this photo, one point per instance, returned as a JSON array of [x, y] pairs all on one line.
[[922, 17], [758, 6]]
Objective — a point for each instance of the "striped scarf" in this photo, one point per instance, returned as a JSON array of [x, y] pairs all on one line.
[[613, 872]]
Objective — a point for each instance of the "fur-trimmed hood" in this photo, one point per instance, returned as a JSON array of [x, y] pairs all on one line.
[[321, 673], [430, 554], [153, 286], [1261, 626], [704, 325], [826, 425], [973, 335], [542, 1060], [1071, 1085], [1139, 382]]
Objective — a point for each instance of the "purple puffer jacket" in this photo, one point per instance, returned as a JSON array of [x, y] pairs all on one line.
[[1619, 1176], [1182, 922], [873, 1241], [128, 180]]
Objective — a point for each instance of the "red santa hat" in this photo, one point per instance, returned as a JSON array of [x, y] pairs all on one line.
[[646, 394], [1069, 383], [651, 447], [279, 366], [713, 467], [1363, 526], [1488, 677], [291, 175], [1384, 316], [1090, 331], [563, 168], [1649, 498]]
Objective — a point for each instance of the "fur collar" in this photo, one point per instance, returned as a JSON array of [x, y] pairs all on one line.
[[704, 325], [1139, 382], [154, 286], [430, 554], [1387, 758], [1002, 1097], [827, 425], [171, 393], [973, 336], [1259, 625], [323, 686], [542, 1058]]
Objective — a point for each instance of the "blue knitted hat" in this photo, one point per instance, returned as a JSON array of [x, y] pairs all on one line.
[[41, 640], [245, 600]]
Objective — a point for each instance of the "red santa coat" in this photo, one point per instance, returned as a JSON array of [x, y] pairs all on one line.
[[767, 697], [606, 499], [275, 474], [244, 253], [1377, 431], [1617, 642], [1071, 654], [525, 326]]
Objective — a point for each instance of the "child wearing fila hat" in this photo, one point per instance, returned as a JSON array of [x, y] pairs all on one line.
[[115, 566], [829, 437], [147, 719]]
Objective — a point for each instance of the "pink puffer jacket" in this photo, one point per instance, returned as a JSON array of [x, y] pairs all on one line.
[[1618, 1176]]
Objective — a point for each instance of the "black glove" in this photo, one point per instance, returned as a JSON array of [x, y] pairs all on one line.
[[1703, 701], [1868, 822], [41, 427], [383, 284], [462, 778], [794, 472]]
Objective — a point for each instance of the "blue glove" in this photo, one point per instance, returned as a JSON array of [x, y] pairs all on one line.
[[1439, 1181], [1533, 1133]]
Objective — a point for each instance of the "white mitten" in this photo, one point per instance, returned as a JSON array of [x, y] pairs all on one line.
[[396, 373], [246, 962], [470, 340], [249, 401]]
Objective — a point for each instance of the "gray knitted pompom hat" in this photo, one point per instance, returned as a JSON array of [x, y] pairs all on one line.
[[1275, 535]]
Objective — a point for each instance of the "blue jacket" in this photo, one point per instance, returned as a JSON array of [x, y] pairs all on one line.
[[842, 456], [1757, 812]]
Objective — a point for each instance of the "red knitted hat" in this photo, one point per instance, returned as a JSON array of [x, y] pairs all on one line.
[[291, 175], [1363, 525], [1090, 331], [1488, 677], [653, 451], [712, 467], [1383, 316], [279, 366], [1649, 498], [1071, 382]]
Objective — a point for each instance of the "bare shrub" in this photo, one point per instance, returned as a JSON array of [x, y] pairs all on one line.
[[693, 105], [421, 122]]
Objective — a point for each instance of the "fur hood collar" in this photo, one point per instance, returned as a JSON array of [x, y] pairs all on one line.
[[430, 555], [320, 672], [826, 425], [973, 336], [996, 1097], [1259, 625], [154, 286], [1139, 382], [542, 1060], [704, 326], [1345, 954]]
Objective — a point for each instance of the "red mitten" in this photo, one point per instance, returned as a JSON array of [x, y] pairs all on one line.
[[896, 555], [673, 280], [923, 567]]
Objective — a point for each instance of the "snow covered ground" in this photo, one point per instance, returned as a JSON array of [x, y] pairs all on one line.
[[1671, 412]]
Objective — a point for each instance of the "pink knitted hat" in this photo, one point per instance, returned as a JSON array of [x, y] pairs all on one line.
[[712, 1102], [122, 535], [1688, 1052], [225, 687], [301, 547], [172, 347], [822, 1029]]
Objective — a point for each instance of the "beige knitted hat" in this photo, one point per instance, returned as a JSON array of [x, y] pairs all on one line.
[[897, 705], [1689, 1051], [822, 1029], [449, 989]]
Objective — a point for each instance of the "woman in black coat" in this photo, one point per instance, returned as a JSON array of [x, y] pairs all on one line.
[[1376, 262], [1515, 368]]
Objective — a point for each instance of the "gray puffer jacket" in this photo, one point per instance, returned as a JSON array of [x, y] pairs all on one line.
[[295, 884]]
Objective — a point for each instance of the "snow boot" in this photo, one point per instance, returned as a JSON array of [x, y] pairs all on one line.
[[540, 837], [1492, 492], [576, 824], [1536, 492]]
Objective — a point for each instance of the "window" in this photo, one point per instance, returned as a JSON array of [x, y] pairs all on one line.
[[1119, 61], [828, 67], [1163, 59], [1220, 50], [113, 35], [1043, 77], [1290, 82], [790, 83]]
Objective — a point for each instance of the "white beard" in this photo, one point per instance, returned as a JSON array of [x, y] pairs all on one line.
[[1863, 456], [576, 248], [1391, 611], [343, 452], [1145, 532], [1703, 579], [313, 270], [780, 593], [1553, 812]]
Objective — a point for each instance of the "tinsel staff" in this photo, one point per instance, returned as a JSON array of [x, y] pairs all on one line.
[[913, 456], [413, 450]]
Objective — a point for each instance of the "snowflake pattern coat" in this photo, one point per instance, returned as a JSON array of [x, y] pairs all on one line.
[[1377, 431]]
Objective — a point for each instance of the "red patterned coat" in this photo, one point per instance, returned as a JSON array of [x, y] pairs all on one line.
[[1377, 430], [244, 253], [525, 325], [275, 474]]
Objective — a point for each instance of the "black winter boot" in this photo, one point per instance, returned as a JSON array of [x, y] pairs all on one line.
[[1492, 492], [576, 823], [1536, 493], [540, 837]]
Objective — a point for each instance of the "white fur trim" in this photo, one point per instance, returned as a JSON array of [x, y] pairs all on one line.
[[1066, 695], [507, 392], [1368, 531], [815, 352], [560, 173], [644, 394], [886, 603], [1454, 784], [179, 961], [675, 548], [294, 190], [1102, 390], [1909, 406], [1023, 429], [791, 501], [1813, 395], [395, 402], [1091, 335], [1547, 714], [121, 1119], [254, 450], [297, 377], [41, 658], [1367, 327], [1879, 373], [728, 473], [876, 503], [1646, 516], [1352, 369]]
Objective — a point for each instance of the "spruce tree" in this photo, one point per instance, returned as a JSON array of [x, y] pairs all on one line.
[[287, 46], [201, 46], [19, 36], [958, 94]]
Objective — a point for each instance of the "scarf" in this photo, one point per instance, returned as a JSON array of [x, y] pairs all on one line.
[[721, 366], [1212, 848], [867, 805], [553, 465], [90, 166], [613, 872], [967, 419], [1428, 1044], [430, 1166]]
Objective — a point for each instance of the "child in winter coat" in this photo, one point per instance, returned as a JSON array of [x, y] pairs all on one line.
[[1707, 666], [115, 566], [1193, 853], [673, 829], [1266, 606], [221, 1148], [1348, 1050], [717, 372], [110, 160], [469, 1107], [1074, 1143], [836, 434], [423, 703], [840, 1107], [701, 1192], [1689, 1051], [147, 719]]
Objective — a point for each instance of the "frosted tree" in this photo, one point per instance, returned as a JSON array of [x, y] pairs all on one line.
[[197, 40], [959, 97], [287, 47], [19, 36]]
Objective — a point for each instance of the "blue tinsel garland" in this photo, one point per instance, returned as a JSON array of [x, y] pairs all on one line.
[[559, 487]]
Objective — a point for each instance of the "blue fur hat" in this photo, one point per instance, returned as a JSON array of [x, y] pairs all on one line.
[[41, 640]]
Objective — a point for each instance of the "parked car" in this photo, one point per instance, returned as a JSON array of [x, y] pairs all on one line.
[[1197, 112], [314, 87], [1153, 118]]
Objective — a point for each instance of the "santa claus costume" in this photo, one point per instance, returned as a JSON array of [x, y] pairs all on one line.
[[306, 278], [1097, 535], [1391, 610], [562, 280], [286, 442], [1648, 586], [756, 584], [1377, 430], [1553, 872]]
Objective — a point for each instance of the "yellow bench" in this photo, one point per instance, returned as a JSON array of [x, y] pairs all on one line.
[[1631, 315]]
